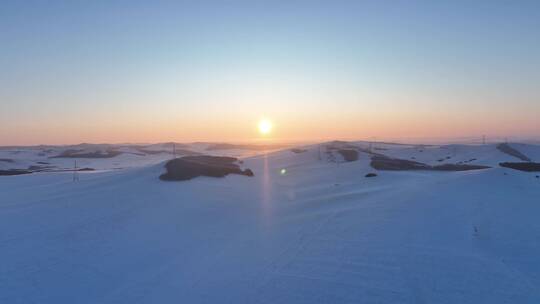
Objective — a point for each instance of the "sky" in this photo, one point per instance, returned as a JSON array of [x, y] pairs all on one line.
[[155, 71]]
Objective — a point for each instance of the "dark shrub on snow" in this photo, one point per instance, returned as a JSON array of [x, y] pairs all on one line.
[[395, 164], [189, 167], [73, 153], [506, 148], [386, 163], [527, 166], [349, 154], [458, 167], [13, 172]]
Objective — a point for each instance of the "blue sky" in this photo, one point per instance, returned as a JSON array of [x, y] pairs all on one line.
[[74, 71]]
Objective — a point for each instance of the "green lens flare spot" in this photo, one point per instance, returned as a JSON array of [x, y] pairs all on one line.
[[283, 171]]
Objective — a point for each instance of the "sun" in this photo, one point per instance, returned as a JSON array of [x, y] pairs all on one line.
[[265, 126]]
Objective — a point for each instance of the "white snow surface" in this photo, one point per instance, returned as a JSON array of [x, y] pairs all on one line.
[[319, 233]]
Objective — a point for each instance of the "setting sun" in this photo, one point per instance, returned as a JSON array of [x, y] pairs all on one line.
[[265, 126]]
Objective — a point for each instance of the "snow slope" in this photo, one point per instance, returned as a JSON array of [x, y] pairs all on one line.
[[319, 233]]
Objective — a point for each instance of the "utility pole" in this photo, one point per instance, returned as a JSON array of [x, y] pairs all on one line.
[[483, 139], [174, 149], [75, 172]]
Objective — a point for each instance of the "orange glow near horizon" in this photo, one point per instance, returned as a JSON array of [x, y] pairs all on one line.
[[143, 122], [301, 127]]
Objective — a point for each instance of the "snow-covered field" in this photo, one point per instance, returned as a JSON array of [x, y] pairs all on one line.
[[318, 231]]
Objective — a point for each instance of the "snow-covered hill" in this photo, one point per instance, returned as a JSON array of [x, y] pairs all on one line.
[[309, 227], [113, 157]]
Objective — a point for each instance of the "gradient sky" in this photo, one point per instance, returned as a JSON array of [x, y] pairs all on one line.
[[151, 71]]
